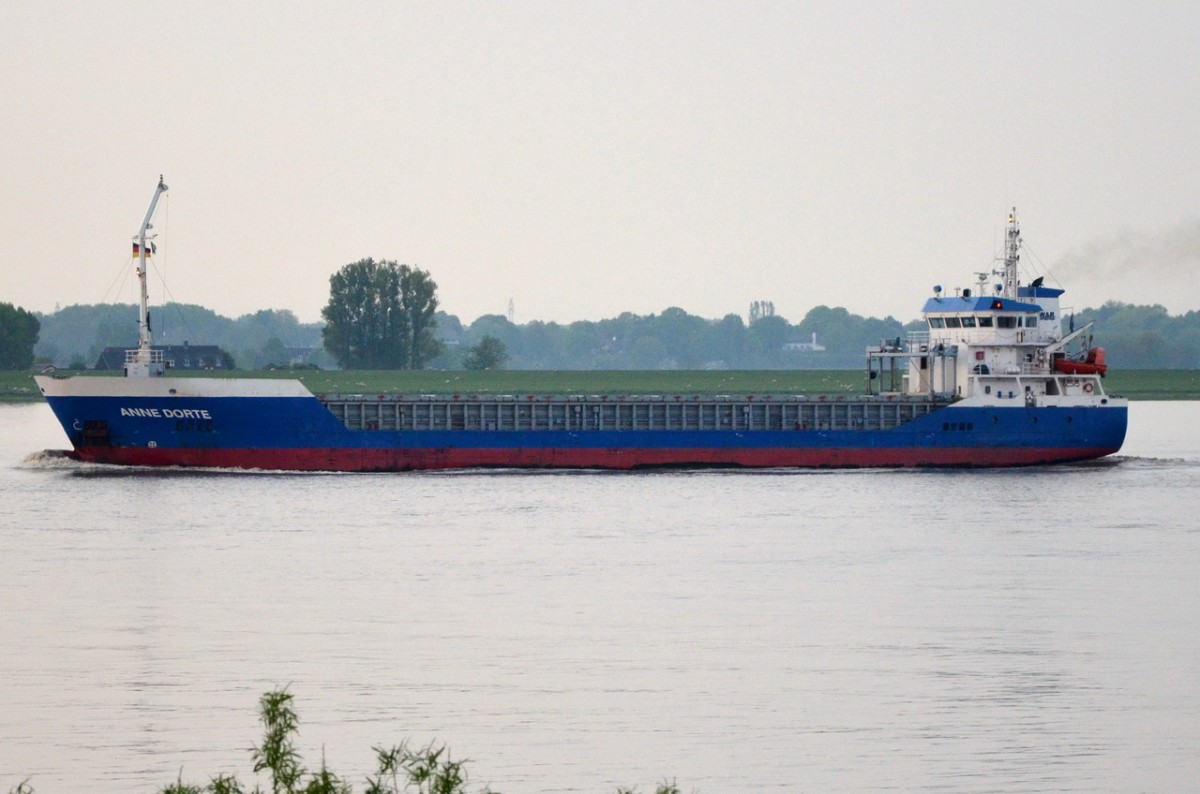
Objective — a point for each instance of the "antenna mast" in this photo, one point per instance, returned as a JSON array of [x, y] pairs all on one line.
[[1012, 256]]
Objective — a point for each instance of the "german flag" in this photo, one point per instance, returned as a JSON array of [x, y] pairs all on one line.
[[150, 249]]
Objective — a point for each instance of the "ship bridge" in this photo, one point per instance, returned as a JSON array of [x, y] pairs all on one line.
[[992, 341]]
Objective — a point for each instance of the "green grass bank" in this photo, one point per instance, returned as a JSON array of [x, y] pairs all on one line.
[[1145, 384]]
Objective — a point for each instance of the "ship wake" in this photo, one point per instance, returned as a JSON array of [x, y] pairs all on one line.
[[51, 459]]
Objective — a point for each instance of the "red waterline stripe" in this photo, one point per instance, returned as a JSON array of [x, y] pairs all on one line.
[[460, 458]]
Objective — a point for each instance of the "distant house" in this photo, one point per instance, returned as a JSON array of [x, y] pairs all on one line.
[[300, 355], [805, 347], [183, 356]]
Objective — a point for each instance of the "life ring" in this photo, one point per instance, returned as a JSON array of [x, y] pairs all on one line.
[[1087, 388]]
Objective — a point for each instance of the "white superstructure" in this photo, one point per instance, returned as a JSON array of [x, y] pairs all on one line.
[[997, 342]]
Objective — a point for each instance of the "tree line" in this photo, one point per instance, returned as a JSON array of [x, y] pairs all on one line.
[[1145, 337], [675, 339], [74, 336], [385, 315]]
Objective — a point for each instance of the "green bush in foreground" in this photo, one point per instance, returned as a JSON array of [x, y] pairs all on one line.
[[424, 770]]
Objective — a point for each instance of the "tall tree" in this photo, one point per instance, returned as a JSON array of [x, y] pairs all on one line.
[[381, 315], [18, 334], [418, 299], [490, 353]]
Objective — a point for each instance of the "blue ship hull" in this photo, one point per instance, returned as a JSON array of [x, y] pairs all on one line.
[[300, 433]]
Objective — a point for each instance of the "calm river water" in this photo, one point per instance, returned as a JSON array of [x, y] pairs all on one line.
[[1025, 630]]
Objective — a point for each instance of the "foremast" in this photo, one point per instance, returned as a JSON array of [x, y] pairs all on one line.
[[145, 362]]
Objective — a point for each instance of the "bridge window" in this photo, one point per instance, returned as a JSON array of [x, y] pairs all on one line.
[[953, 322], [1006, 322], [985, 322], [1031, 321], [968, 322], [936, 322]]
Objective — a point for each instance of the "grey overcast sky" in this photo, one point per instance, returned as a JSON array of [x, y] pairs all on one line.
[[589, 158]]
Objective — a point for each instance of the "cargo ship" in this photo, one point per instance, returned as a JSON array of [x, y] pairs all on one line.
[[991, 380]]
